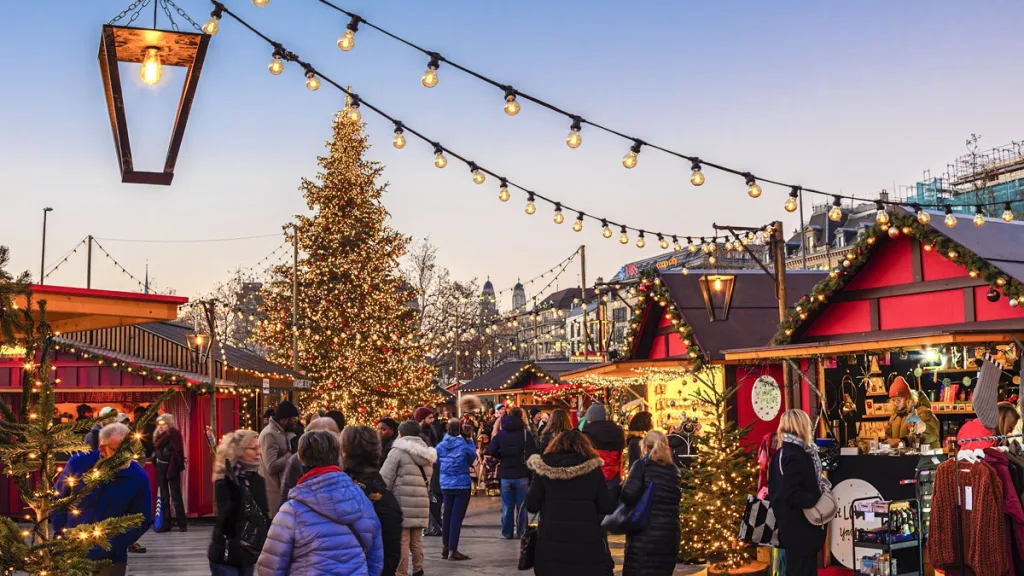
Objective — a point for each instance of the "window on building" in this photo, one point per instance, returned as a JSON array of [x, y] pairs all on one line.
[[619, 315], [840, 239], [810, 241]]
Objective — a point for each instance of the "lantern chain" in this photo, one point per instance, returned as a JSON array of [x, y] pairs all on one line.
[[181, 13], [135, 8], [167, 12]]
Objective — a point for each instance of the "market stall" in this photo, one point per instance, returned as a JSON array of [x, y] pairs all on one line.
[[519, 382], [899, 328]]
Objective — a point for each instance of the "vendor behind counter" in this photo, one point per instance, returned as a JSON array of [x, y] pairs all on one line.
[[912, 418]]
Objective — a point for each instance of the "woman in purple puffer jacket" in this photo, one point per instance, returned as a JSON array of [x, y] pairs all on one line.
[[328, 525]]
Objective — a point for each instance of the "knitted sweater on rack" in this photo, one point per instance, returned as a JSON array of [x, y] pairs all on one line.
[[984, 528]]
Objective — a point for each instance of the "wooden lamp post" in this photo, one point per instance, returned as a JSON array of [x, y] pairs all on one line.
[[153, 49]]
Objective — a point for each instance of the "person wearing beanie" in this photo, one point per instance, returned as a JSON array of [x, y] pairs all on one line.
[[900, 428], [387, 429], [275, 451], [407, 472], [609, 440], [512, 446], [427, 419]]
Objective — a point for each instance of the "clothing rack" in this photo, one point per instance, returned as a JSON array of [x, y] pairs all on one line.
[[959, 501]]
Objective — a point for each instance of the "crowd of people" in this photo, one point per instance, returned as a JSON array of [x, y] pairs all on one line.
[[312, 496]]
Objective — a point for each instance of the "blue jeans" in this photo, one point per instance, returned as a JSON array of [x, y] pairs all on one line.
[[513, 506], [225, 570], [456, 502]]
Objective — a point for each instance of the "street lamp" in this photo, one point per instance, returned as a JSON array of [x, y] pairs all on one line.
[[42, 263], [199, 346]]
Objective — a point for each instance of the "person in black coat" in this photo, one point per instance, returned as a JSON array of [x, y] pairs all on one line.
[[235, 469], [639, 425], [512, 445], [653, 551], [570, 494], [793, 486], [609, 441], [360, 453], [169, 453]]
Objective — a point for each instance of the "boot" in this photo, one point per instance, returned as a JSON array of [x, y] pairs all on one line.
[[456, 555], [444, 553]]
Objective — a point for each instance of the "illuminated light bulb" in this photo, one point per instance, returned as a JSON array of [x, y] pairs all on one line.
[[354, 115], [836, 213], [753, 190], [399, 140], [718, 284], [503, 195], [1007, 213], [922, 216], [439, 160], [950, 221], [478, 176], [276, 65], [640, 242], [696, 176], [712, 260], [791, 202], [578, 225], [629, 160], [260, 3], [686, 271], [574, 139], [152, 69], [559, 218], [690, 246], [347, 41], [605, 230], [312, 82], [623, 236], [894, 232], [979, 217], [511, 105], [973, 273], [429, 79], [675, 245], [212, 25], [662, 242], [881, 216], [531, 208]]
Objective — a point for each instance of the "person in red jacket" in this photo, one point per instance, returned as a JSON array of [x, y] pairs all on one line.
[[608, 439]]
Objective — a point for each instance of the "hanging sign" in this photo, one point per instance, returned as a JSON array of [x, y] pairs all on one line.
[[12, 351], [301, 384], [766, 398], [266, 385], [841, 528]]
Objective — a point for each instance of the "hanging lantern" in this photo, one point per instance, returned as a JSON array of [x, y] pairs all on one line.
[[154, 49], [717, 290]]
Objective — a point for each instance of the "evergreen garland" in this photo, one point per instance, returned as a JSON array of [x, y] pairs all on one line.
[[653, 289]]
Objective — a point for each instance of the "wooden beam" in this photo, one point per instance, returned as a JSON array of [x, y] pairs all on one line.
[[915, 260], [906, 289], [969, 315], [874, 315], [840, 348]]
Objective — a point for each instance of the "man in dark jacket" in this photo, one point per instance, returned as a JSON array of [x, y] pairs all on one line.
[[512, 445], [128, 493], [427, 420], [387, 429], [608, 439]]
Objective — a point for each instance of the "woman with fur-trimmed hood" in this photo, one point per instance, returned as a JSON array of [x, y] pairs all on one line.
[[570, 493]]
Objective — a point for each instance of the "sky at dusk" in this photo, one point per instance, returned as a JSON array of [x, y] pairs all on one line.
[[852, 97]]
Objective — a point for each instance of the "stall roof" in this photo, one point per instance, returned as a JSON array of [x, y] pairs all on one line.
[[753, 316], [138, 361], [998, 243], [497, 378], [76, 309], [237, 357]]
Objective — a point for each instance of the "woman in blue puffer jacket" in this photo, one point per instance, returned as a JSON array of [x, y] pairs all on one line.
[[328, 525], [456, 455]]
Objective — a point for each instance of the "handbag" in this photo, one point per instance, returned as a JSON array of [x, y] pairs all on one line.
[[628, 519], [255, 525], [824, 510], [528, 545], [758, 523]]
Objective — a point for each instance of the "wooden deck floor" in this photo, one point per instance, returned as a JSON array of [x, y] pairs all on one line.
[[177, 554]]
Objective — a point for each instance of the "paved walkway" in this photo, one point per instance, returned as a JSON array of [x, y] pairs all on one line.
[[180, 554]]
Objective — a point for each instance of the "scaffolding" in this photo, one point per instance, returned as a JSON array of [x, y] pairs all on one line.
[[986, 177]]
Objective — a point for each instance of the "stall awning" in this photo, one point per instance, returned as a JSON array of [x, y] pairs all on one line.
[[76, 309], [136, 361], [962, 335]]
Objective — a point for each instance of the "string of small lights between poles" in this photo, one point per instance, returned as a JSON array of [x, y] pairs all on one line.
[[512, 107], [541, 276], [479, 173]]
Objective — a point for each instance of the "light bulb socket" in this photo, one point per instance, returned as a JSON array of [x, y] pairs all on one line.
[[438, 149], [794, 192], [399, 127], [577, 123], [473, 167], [354, 103], [353, 24], [916, 207], [949, 210], [749, 179], [218, 11], [695, 164], [435, 61], [558, 207], [978, 212], [635, 148], [530, 198], [510, 93], [836, 201], [879, 205]]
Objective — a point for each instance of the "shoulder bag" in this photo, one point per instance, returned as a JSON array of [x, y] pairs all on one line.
[[628, 519], [757, 526], [255, 524], [528, 545], [824, 510]]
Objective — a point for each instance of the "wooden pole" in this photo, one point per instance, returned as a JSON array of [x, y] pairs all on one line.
[[779, 253], [211, 360], [88, 265], [295, 304], [583, 298]]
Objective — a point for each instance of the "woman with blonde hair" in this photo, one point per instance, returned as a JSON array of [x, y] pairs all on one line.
[[241, 500], [795, 483], [653, 550]]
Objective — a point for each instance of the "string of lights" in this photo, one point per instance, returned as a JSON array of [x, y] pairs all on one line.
[[255, 268], [118, 264], [63, 260], [540, 276], [511, 97], [479, 173], [188, 240]]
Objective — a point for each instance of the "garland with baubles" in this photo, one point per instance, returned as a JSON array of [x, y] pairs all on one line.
[[652, 288]]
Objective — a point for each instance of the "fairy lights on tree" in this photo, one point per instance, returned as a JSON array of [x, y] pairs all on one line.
[[357, 332]]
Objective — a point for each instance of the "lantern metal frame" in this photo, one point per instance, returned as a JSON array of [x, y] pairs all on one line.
[[126, 44], [717, 311], [199, 345]]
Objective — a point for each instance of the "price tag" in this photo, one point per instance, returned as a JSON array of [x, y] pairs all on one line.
[[869, 516], [968, 498]]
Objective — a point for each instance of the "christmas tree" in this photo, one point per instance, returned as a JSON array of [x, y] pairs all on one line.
[[30, 442], [715, 488], [357, 328]]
